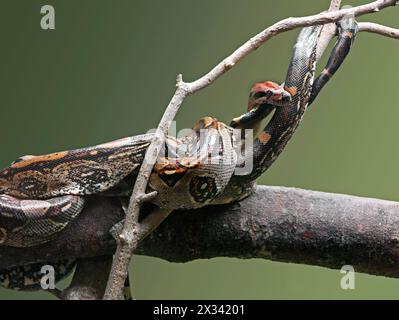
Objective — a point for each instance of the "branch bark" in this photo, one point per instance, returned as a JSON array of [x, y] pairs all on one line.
[[132, 234], [379, 29], [275, 223], [328, 31]]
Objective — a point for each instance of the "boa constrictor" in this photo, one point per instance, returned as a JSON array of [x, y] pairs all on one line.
[[42, 195]]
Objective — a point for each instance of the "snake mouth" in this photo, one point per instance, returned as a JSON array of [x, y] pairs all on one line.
[[286, 96]]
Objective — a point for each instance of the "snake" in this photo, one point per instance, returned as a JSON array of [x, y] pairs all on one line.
[[42, 195]]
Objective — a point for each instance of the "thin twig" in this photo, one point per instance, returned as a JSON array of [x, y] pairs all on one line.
[[128, 240], [334, 5], [379, 29]]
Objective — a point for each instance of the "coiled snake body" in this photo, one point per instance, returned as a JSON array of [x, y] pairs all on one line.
[[41, 195]]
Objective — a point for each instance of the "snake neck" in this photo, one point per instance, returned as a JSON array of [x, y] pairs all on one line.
[[271, 141]]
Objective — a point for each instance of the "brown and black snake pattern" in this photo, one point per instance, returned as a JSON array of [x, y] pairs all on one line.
[[32, 222], [77, 172], [41, 195]]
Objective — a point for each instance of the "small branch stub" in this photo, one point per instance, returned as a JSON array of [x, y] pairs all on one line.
[[179, 80], [147, 197]]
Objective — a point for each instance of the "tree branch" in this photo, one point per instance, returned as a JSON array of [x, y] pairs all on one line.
[[328, 31], [131, 234], [379, 29], [275, 223]]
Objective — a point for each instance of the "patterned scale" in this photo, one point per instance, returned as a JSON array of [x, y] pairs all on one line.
[[201, 170], [31, 222]]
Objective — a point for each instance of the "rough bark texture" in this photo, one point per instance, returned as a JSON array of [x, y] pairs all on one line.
[[275, 223]]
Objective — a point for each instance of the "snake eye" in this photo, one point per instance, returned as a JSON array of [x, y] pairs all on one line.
[[262, 94]]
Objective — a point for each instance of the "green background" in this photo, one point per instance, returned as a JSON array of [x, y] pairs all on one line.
[[108, 71]]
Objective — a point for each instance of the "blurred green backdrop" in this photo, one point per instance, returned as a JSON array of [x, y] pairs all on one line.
[[108, 71]]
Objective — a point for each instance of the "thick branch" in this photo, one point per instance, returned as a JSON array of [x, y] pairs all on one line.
[[276, 223]]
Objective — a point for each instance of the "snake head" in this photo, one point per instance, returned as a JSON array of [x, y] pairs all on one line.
[[267, 92], [263, 99]]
